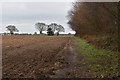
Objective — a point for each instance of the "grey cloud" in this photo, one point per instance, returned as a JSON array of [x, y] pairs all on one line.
[[41, 9], [31, 12]]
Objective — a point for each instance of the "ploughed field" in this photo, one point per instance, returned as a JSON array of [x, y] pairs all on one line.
[[39, 57]]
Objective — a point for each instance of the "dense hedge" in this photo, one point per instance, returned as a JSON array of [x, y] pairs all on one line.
[[96, 19]]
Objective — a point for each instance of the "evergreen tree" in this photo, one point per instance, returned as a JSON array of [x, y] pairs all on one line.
[[50, 32]]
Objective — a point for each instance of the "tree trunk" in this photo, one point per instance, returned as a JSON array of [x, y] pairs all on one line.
[[11, 32], [57, 33], [41, 32]]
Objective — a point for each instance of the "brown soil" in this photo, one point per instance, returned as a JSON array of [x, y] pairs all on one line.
[[40, 57]]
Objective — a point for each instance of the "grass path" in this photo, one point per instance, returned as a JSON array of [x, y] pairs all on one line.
[[102, 63]]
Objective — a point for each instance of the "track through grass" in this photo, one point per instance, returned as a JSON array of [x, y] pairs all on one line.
[[102, 63]]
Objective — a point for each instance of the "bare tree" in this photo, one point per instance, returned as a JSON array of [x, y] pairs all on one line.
[[12, 29], [60, 28], [41, 27], [56, 27], [53, 26]]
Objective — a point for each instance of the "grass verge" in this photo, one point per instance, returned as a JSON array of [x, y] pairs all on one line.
[[102, 63]]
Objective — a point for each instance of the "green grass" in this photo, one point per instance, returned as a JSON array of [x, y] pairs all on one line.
[[101, 62]]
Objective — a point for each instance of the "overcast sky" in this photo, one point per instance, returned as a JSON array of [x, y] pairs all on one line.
[[24, 15]]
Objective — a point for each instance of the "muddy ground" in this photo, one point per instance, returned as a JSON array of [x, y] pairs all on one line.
[[41, 57]]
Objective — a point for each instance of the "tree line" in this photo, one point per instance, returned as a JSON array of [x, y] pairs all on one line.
[[96, 19], [41, 27]]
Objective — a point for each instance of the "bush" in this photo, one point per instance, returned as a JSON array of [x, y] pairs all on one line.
[[50, 32]]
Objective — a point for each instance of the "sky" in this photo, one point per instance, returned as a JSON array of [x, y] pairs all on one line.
[[24, 15]]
